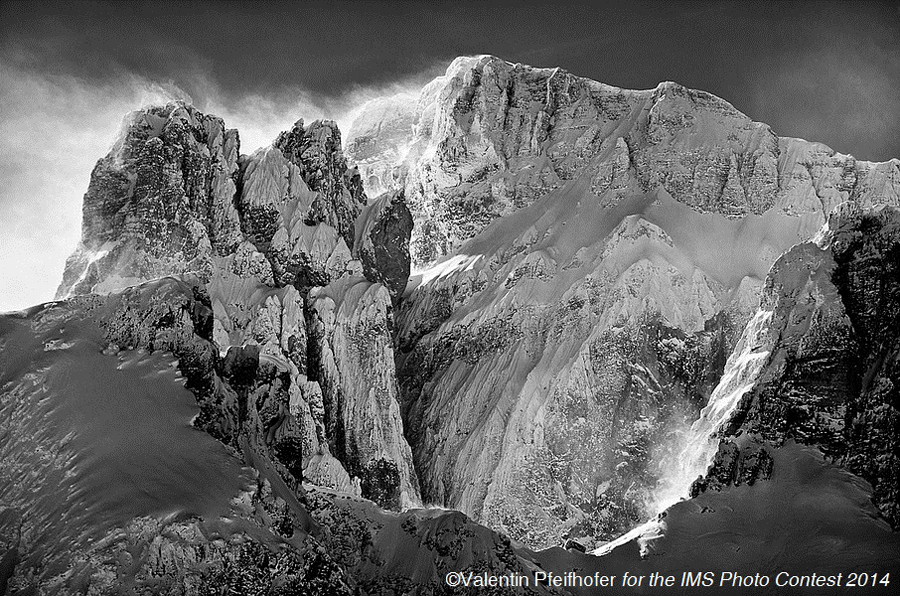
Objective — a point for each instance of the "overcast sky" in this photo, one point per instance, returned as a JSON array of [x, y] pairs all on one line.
[[70, 71]]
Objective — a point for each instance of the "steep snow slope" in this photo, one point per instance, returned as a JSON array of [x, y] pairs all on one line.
[[568, 340], [93, 439], [693, 456]]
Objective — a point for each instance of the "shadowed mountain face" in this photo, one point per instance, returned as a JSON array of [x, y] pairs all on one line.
[[568, 307], [832, 380]]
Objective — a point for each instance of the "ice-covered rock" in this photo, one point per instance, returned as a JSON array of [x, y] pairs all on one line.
[[379, 140], [316, 151]]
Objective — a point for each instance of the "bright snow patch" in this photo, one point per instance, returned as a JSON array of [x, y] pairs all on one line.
[[444, 268]]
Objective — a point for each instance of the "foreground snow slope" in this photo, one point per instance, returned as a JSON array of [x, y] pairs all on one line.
[[76, 516], [94, 442]]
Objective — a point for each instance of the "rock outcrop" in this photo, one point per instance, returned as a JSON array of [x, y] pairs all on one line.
[[160, 203], [316, 151], [157, 506], [382, 242], [299, 204], [832, 378]]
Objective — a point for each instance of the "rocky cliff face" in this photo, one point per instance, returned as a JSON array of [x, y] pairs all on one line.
[[353, 354], [832, 378], [174, 197], [160, 203], [520, 329], [382, 242]]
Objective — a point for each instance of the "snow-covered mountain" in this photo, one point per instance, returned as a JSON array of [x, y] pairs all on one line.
[[538, 300], [605, 248], [490, 137]]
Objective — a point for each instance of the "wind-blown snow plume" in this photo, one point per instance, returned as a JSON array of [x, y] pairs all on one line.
[[692, 455], [698, 446]]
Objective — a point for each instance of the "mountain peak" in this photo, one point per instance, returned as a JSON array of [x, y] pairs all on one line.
[[489, 137]]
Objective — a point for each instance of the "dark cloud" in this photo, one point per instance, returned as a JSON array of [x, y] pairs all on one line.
[[839, 87], [763, 57]]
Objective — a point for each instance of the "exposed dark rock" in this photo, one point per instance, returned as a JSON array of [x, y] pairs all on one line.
[[316, 151], [382, 242], [575, 545], [240, 366], [833, 378], [255, 569], [735, 463], [381, 483]]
